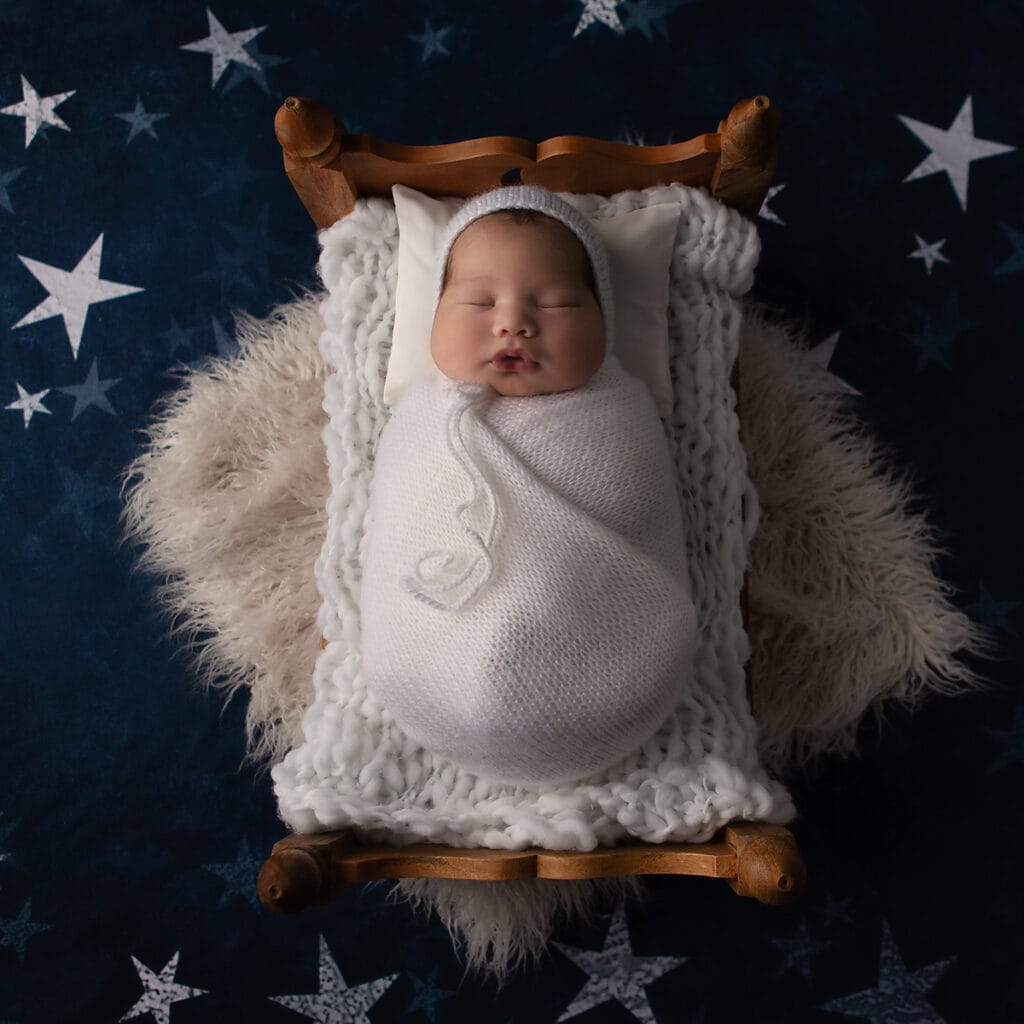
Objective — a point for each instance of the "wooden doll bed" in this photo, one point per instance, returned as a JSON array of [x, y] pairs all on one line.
[[329, 169]]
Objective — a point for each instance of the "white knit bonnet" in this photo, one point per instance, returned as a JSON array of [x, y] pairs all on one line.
[[532, 197]]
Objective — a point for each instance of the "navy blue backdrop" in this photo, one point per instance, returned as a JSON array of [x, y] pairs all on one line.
[[142, 198]]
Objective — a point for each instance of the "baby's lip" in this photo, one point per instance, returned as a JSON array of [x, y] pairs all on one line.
[[511, 357]]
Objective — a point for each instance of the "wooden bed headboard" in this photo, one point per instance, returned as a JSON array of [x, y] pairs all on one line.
[[330, 168]]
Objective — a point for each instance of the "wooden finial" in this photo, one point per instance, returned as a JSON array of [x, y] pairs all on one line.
[[310, 140], [289, 882], [304, 127], [751, 132], [749, 140], [299, 872], [768, 865]]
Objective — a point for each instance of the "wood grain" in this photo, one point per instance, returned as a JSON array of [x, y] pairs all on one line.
[[329, 167], [757, 860]]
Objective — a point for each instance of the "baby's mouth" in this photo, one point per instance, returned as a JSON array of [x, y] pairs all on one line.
[[514, 360]]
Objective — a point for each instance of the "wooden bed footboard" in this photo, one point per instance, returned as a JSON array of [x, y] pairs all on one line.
[[757, 860]]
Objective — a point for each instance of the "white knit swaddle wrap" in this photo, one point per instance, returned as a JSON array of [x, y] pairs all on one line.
[[356, 767], [524, 598]]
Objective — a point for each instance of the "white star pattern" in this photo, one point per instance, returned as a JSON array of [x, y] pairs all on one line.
[[929, 252], [92, 391], [766, 212], [335, 1002], [432, 41], [72, 292], [6, 177], [160, 991], [240, 875], [900, 995], [798, 951], [821, 355], [37, 110], [952, 150], [17, 931], [602, 11], [615, 973], [141, 120], [225, 46], [29, 404]]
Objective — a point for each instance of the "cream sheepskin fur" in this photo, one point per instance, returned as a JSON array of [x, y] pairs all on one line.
[[227, 503]]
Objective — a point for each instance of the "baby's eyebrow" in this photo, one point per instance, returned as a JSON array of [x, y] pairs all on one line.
[[477, 279]]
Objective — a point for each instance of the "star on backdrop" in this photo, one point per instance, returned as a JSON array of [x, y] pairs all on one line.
[[1011, 740], [643, 16], [766, 212], [6, 177], [6, 857], [833, 910], [177, 337], [228, 271], [899, 995], [28, 404], [84, 494], [940, 328], [798, 951], [160, 990], [253, 239], [17, 931], [37, 110], [428, 995], [615, 973], [335, 1001], [240, 876], [244, 73], [72, 292], [233, 177], [953, 149], [991, 612], [225, 47], [602, 11], [432, 41], [821, 355], [929, 252], [223, 339], [1015, 261], [92, 391], [140, 120]]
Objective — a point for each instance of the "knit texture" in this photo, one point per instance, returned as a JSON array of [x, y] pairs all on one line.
[[531, 197], [525, 611], [357, 767]]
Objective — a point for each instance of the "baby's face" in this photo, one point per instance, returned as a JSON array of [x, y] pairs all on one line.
[[518, 311]]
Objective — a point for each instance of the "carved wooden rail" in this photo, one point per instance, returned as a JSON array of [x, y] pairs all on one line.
[[757, 860], [330, 168]]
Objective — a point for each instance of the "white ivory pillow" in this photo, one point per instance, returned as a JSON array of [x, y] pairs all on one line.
[[639, 244]]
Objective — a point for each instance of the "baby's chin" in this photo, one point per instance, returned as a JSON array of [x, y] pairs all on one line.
[[521, 385], [529, 383]]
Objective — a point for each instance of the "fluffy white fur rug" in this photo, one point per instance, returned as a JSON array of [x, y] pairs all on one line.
[[227, 502]]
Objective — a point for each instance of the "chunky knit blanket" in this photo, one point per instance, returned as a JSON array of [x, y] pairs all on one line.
[[525, 605], [356, 766]]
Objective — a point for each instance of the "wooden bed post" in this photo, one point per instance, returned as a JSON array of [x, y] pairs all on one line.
[[750, 140], [313, 160]]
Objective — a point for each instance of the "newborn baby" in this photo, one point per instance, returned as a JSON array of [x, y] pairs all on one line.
[[525, 599]]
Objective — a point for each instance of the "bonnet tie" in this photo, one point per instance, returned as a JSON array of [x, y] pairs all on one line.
[[440, 572]]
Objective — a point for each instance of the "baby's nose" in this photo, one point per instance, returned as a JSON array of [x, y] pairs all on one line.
[[515, 320]]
